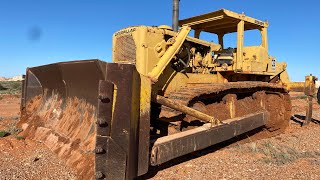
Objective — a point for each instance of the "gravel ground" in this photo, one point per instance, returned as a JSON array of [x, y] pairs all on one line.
[[292, 155], [27, 159], [24, 158]]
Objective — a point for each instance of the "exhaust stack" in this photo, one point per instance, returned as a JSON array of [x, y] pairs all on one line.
[[175, 15]]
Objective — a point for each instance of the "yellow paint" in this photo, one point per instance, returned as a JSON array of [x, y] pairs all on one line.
[[155, 51], [145, 94], [168, 55], [114, 99]]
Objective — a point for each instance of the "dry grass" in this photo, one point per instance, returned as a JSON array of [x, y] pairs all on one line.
[[10, 129], [10, 87], [278, 154]]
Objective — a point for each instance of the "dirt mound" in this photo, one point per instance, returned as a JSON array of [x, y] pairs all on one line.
[[67, 127]]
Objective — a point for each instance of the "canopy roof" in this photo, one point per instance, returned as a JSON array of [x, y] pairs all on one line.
[[222, 22]]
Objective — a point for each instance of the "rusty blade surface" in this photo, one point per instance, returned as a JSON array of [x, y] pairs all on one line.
[[60, 109], [67, 79], [88, 113]]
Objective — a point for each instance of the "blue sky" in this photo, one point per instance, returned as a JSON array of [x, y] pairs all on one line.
[[37, 32]]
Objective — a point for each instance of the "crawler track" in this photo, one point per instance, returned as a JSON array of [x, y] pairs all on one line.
[[250, 97]]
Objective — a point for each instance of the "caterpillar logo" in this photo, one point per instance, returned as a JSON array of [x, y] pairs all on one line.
[[125, 31]]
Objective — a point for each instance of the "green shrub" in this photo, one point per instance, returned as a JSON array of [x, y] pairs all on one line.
[[4, 133], [20, 138]]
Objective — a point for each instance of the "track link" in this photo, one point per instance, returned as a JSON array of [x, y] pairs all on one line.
[[250, 97]]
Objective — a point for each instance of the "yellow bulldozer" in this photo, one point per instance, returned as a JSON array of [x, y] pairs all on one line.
[[165, 94]]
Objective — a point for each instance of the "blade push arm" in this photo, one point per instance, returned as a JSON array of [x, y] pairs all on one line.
[[169, 54]]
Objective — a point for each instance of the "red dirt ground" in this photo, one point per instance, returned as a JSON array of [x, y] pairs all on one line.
[[9, 106]]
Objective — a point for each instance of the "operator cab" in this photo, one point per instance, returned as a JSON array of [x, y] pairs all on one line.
[[242, 58]]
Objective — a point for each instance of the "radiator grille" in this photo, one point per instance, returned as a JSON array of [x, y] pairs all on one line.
[[125, 49]]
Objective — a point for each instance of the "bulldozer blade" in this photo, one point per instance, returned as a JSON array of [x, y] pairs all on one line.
[[176, 145], [89, 113]]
